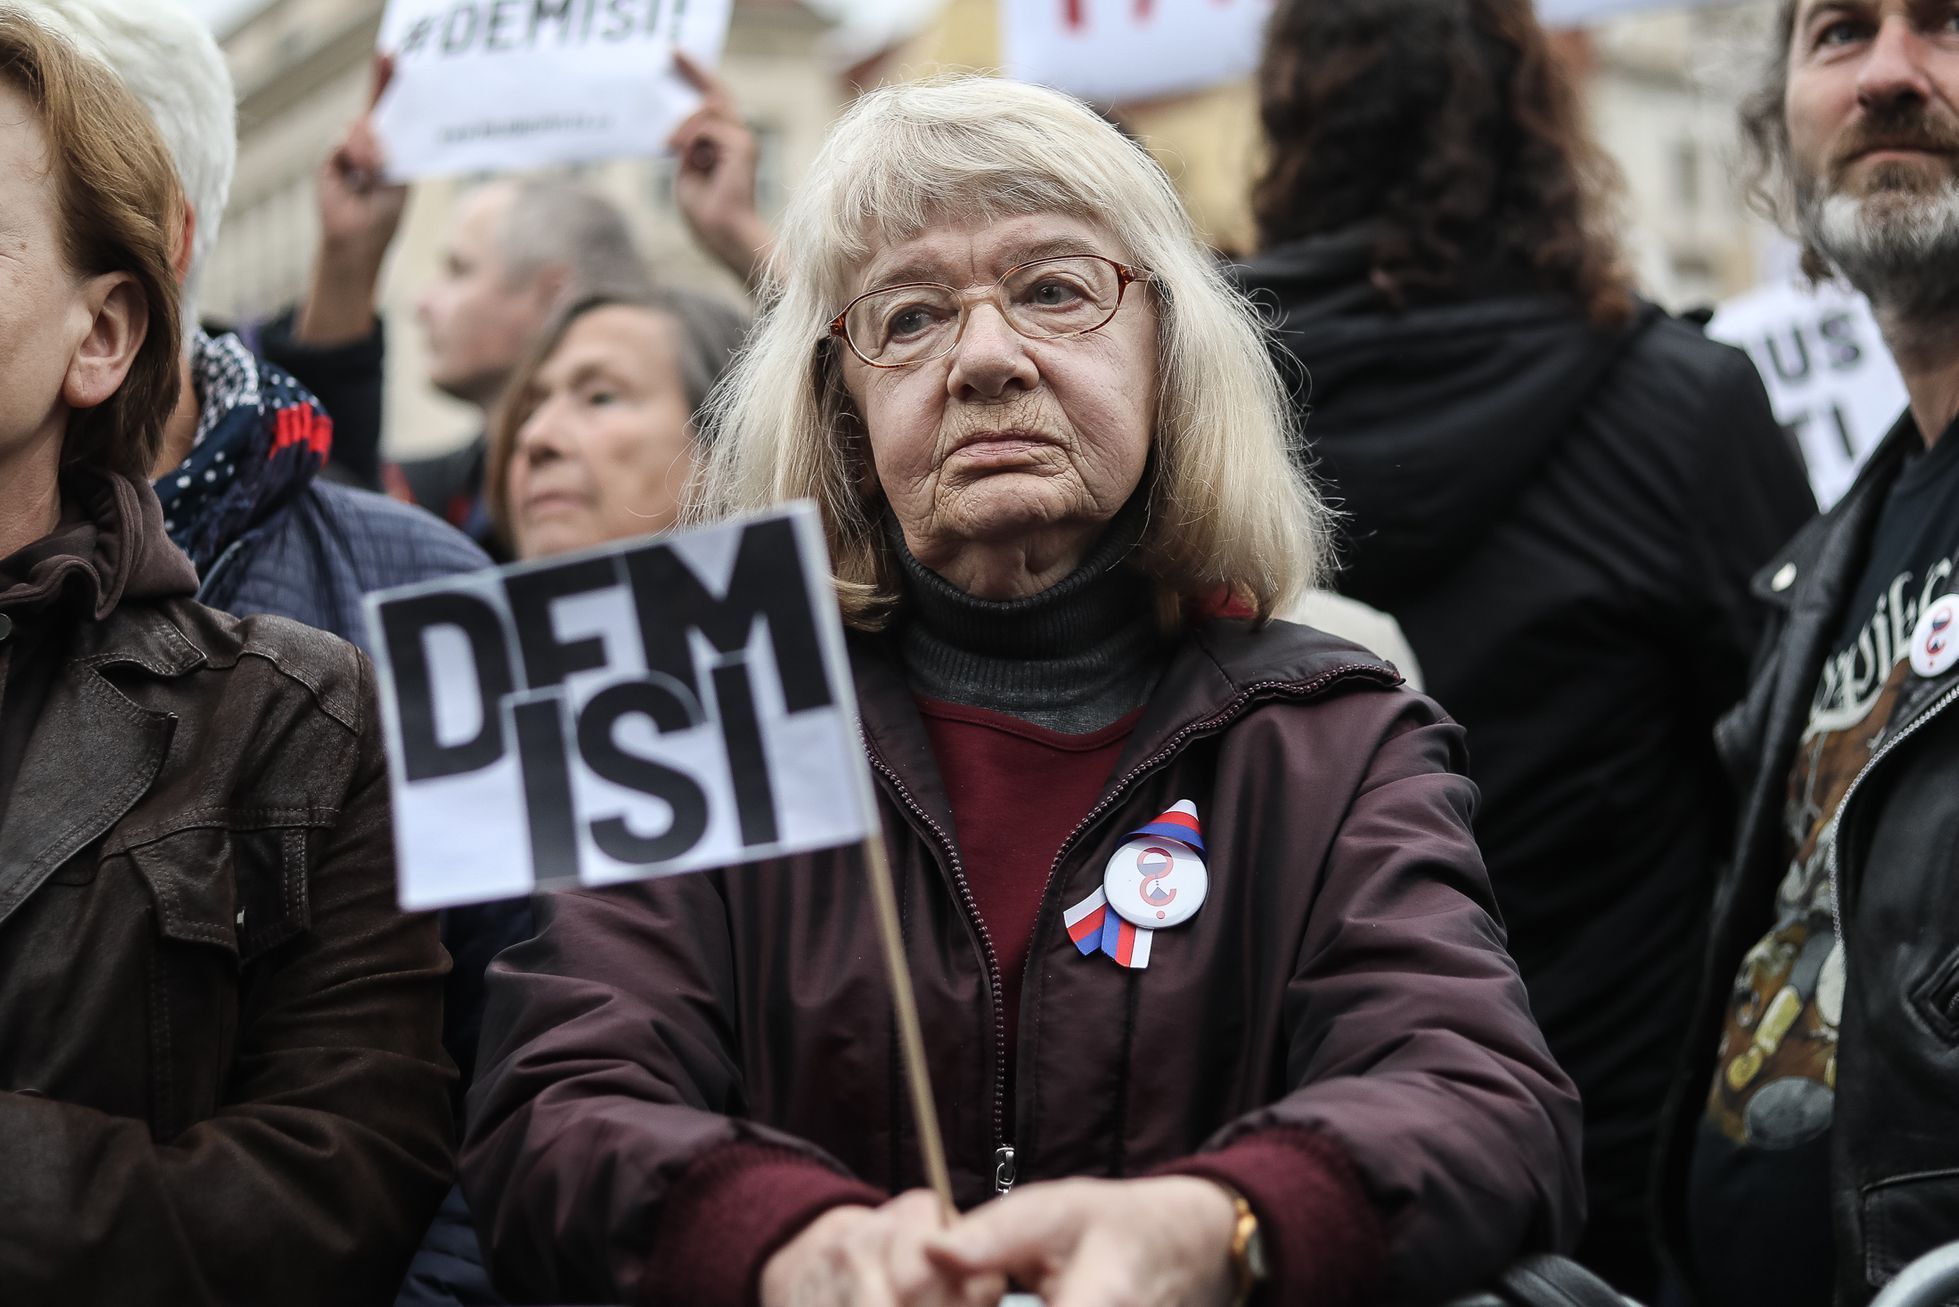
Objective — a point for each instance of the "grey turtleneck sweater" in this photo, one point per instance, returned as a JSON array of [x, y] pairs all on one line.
[[1073, 658]]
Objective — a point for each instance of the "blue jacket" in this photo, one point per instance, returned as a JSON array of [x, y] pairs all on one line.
[[327, 547]]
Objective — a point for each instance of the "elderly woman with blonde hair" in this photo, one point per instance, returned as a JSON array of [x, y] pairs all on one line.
[[1052, 460]]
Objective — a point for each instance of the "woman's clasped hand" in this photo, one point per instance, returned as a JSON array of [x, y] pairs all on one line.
[[1163, 1242]]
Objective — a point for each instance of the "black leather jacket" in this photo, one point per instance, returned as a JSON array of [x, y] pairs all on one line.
[[1895, 1145]]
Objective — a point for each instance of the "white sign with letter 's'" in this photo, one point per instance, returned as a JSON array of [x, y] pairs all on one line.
[[665, 705], [506, 85], [1830, 379], [1113, 51]]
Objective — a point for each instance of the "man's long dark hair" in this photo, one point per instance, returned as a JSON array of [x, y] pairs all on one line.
[[1765, 140], [1449, 128]]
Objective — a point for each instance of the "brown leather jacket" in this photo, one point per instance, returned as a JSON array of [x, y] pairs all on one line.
[[220, 1038], [1345, 975]]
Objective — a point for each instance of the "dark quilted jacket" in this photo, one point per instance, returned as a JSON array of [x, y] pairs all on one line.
[[324, 549]]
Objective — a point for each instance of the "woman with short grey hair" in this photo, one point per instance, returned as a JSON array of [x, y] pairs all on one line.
[[1213, 987]]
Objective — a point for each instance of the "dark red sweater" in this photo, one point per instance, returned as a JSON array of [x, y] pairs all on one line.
[[1017, 790]]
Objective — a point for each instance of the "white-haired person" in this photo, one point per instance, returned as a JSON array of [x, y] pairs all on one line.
[[1213, 988]]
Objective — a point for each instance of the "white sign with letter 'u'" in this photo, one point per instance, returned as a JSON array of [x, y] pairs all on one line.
[[663, 705], [1829, 376]]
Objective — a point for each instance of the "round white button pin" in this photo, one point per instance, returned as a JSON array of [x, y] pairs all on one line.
[[1155, 883], [1935, 640]]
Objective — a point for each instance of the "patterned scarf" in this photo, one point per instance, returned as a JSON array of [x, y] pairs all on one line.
[[260, 438]]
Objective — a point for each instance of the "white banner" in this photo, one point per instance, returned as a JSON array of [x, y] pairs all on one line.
[[509, 85], [1113, 51], [1829, 377], [660, 706], [1576, 13], [1117, 51]]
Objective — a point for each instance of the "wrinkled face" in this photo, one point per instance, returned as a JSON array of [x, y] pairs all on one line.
[[43, 312], [1007, 436], [608, 446], [1873, 116], [478, 312]]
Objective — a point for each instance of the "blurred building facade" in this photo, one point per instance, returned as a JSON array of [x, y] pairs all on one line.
[[1661, 89]]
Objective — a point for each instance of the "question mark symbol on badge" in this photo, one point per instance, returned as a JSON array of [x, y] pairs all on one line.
[[1156, 864], [1935, 641], [1155, 882]]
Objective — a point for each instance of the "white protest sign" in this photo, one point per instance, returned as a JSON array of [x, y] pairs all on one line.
[[659, 706], [1575, 13], [1830, 379], [1112, 51], [506, 85]]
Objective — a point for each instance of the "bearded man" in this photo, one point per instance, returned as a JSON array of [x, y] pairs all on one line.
[[1813, 1142]]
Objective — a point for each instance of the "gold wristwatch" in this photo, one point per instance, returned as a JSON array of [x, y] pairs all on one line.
[[1247, 1249]]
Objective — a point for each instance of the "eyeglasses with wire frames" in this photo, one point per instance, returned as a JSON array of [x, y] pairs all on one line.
[[918, 321]]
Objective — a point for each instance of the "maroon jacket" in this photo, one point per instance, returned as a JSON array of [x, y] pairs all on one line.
[[1345, 982]]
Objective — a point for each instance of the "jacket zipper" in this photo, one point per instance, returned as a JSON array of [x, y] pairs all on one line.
[[1005, 1157], [1836, 827]]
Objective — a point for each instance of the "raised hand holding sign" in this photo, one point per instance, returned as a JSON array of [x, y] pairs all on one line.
[[715, 187]]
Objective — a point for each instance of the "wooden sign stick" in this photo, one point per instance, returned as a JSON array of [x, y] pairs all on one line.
[[911, 1038]]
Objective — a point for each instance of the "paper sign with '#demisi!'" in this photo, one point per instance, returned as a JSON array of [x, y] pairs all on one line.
[[659, 706], [506, 85]]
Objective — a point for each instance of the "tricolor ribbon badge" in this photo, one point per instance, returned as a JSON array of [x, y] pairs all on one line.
[[1155, 880], [1084, 921], [1095, 929]]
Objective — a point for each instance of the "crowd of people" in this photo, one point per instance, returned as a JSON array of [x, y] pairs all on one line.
[[1621, 940]]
